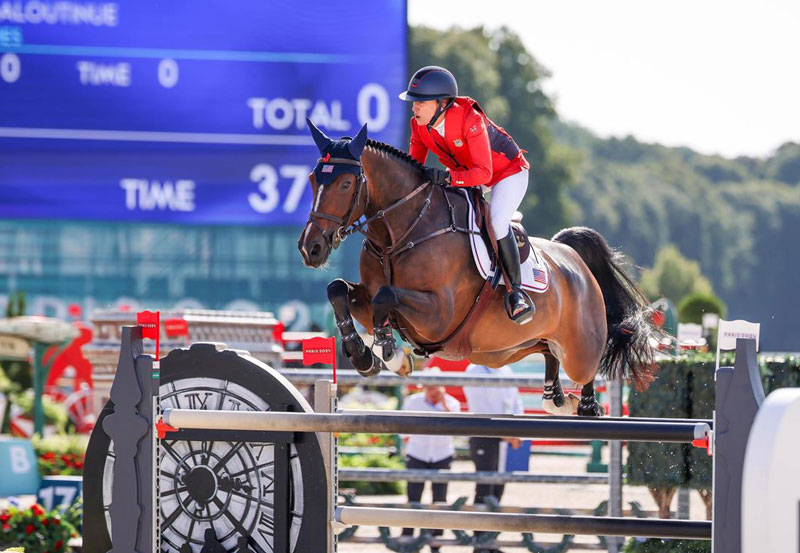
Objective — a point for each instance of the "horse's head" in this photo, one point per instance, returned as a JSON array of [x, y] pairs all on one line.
[[339, 196]]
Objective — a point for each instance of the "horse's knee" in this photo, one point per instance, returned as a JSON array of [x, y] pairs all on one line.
[[386, 297], [337, 293]]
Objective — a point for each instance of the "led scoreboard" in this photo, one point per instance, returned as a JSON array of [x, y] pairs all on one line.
[[187, 111]]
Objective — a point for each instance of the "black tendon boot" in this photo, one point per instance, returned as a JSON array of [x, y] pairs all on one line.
[[519, 306]]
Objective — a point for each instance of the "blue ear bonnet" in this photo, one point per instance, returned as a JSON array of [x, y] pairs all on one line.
[[327, 173], [335, 154]]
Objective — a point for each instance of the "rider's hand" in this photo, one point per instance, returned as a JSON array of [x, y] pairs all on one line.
[[437, 176]]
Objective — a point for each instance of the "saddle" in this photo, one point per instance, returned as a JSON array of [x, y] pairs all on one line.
[[484, 224]]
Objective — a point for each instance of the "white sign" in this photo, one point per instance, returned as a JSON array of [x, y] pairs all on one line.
[[689, 332], [730, 331]]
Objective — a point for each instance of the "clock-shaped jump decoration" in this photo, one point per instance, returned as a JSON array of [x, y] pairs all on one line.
[[217, 490]]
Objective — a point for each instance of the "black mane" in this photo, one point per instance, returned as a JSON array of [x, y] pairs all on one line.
[[395, 152]]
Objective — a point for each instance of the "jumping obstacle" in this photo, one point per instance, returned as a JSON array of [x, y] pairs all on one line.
[[142, 514]]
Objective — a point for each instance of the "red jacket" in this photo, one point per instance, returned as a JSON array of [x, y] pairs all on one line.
[[476, 151]]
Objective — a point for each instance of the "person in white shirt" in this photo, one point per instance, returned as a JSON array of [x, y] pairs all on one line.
[[485, 452], [429, 452]]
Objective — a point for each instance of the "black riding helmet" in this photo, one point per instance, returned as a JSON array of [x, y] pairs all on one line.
[[431, 83]]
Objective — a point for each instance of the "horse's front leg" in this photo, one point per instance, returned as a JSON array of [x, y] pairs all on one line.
[[385, 347], [420, 310], [347, 297]]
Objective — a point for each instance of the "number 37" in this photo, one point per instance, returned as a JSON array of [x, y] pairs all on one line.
[[267, 178]]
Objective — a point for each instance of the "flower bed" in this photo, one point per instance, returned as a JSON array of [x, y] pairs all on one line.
[[35, 530]]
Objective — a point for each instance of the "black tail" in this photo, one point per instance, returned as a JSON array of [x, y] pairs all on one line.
[[628, 352]]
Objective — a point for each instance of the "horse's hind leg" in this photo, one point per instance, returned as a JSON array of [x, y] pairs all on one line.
[[588, 406], [553, 400], [343, 295]]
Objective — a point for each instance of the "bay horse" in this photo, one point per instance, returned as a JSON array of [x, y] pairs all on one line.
[[418, 277]]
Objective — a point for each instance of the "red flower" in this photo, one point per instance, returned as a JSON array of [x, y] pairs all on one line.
[[59, 544], [45, 522], [29, 529], [55, 521], [36, 510], [4, 517]]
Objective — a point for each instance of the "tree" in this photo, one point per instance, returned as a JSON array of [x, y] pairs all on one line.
[[785, 165], [695, 305], [674, 276]]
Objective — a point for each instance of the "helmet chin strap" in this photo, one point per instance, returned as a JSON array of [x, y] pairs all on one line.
[[440, 110]]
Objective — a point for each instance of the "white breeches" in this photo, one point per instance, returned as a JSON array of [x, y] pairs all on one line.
[[506, 197]]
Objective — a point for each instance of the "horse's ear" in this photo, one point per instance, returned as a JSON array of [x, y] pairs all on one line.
[[356, 146], [320, 138]]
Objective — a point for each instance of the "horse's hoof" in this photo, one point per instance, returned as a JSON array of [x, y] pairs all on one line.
[[364, 361], [373, 370], [568, 406], [407, 367], [592, 410]]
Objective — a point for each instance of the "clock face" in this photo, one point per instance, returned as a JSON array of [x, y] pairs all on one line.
[[220, 485]]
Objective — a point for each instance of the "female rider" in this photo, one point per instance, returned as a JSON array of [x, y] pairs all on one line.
[[477, 152]]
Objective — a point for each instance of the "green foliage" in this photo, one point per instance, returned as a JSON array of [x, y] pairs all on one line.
[[366, 440], [54, 413], [494, 67], [737, 217], [684, 388], [653, 545], [34, 529], [373, 461], [653, 464], [17, 374], [785, 164], [16, 305], [674, 276], [692, 307]]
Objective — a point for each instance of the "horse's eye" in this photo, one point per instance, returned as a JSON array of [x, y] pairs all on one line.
[[346, 184]]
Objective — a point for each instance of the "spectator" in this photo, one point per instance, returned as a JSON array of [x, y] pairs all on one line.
[[485, 452], [429, 452]]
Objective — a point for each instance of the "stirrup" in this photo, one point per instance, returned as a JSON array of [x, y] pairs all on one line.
[[523, 312]]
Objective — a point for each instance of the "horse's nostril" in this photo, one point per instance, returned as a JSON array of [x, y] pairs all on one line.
[[314, 250]]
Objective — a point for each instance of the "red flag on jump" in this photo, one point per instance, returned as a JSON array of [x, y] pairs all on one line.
[[320, 350], [149, 321]]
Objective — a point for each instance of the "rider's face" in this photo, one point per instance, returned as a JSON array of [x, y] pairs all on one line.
[[423, 111]]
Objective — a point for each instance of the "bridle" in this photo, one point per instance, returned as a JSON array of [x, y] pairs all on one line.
[[384, 253], [346, 227]]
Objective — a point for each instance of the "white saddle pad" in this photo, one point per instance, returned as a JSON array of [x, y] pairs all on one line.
[[535, 276]]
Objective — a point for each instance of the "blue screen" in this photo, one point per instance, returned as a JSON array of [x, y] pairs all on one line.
[[187, 111]]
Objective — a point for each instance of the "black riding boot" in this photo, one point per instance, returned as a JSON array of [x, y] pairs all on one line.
[[519, 306]]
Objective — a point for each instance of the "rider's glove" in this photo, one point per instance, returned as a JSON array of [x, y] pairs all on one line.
[[437, 176]]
